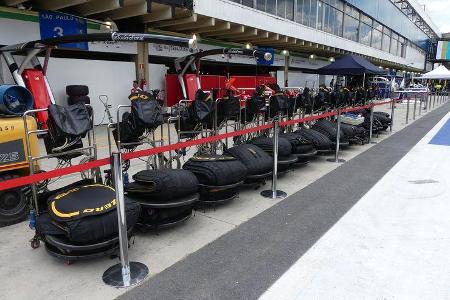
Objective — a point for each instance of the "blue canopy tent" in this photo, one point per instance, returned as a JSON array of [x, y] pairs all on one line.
[[351, 65]]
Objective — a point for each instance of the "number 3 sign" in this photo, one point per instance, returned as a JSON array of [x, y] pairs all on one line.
[[53, 25]]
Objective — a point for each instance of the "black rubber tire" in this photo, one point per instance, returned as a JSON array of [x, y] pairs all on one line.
[[77, 90], [77, 99], [319, 140], [216, 170], [254, 158], [162, 185], [14, 206]]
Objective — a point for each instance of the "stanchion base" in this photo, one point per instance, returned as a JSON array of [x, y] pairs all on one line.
[[113, 276], [373, 142], [340, 160], [269, 194]]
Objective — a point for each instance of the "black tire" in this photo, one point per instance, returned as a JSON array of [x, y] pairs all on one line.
[[162, 185], [78, 99], [254, 158], [216, 170], [319, 140], [77, 90], [266, 144], [14, 206]]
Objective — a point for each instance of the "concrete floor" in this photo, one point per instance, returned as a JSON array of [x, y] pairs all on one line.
[[42, 277]]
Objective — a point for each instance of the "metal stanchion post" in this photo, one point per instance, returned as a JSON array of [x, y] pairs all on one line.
[[126, 273], [434, 98], [421, 98], [407, 110], [274, 193], [392, 115], [336, 158], [371, 126], [415, 106]]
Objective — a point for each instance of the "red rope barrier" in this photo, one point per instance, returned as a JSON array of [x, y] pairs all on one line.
[[26, 180]]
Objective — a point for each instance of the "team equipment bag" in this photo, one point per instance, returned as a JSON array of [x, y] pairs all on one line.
[[278, 104], [66, 128], [85, 214], [320, 141], [147, 114], [254, 158]]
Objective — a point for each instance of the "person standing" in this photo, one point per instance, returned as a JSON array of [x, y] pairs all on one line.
[[136, 88]]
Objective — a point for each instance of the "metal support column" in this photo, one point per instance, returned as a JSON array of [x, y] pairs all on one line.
[[274, 193], [126, 273], [336, 158]]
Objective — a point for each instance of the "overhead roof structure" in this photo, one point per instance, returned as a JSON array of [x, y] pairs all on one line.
[[440, 72], [179, 16]]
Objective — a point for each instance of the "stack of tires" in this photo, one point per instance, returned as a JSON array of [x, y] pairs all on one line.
[[167, 197], [80, 221], [321, 142], [301, 148], [259, 164], [219, 177], [77, 94], [329, 129], [285, 156]]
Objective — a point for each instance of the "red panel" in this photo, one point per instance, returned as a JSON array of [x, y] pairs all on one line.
[[210, 82], [173, 90], [35, 82], [246, 84], [190, 80], [266, 80]]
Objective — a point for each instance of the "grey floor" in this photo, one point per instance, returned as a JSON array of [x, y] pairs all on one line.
[[243, 263]]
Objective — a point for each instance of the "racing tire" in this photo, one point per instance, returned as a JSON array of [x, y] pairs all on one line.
[[77, 90], [14, 205]]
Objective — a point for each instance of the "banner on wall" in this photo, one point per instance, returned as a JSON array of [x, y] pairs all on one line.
[[54, 24]]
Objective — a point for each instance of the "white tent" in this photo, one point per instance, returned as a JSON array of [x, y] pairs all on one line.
[[439, 73]]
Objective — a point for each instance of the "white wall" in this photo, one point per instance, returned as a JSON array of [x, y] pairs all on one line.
[[298, 79], [113, 79]]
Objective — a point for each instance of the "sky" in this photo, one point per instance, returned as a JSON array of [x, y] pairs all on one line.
[[439, 11]]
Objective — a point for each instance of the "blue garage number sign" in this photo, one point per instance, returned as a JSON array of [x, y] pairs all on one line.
[[262, 61], [53, 25]]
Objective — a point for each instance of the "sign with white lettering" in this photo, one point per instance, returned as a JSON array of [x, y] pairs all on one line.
[[54, 25]]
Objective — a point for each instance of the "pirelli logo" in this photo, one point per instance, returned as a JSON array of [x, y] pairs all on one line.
[[100, 209]]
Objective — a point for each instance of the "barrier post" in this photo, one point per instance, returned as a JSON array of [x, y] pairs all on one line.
[[434, 98], [371, 125], [421, 98], [415, 106], [274, 193], [124, 274], [392, 114], [407, 110], [336, 158]]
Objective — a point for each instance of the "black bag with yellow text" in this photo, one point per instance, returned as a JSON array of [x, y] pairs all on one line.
[[85, 213]]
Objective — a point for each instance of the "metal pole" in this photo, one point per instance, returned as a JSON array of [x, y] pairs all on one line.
[[371, 125], [125, 274], [415, 106], [338, 137], [420, 103], [274, 193], [407, 109], [392, 115]]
